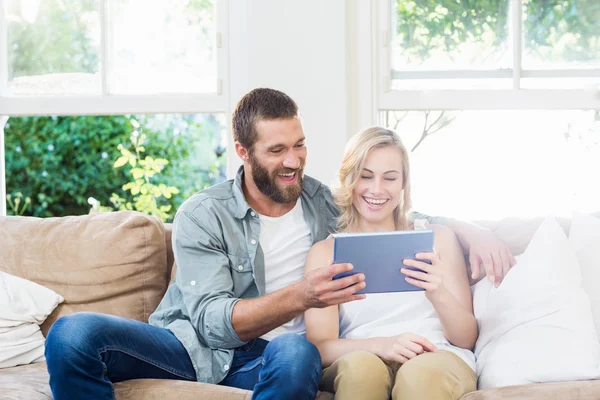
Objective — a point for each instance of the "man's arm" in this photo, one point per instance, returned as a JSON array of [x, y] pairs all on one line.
[[482, 246], [254, 317], [221, 319]]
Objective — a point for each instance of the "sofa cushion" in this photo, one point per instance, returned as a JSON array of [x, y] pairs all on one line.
[[30, 382], [113, 263], [540, 304], [580, 390]]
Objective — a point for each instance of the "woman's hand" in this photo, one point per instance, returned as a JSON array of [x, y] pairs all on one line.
[[432, 277], [401, 348]]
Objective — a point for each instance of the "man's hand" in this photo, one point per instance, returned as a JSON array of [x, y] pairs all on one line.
[[319, 290], [495, 256], [401, 348]]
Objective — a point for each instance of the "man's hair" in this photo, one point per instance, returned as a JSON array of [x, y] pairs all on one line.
[[259, 104]]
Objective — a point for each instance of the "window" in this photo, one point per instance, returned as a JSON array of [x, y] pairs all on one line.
[[491, 164], [69, 163], [498, 100], [98, 47], [492, 44], [87, 64]]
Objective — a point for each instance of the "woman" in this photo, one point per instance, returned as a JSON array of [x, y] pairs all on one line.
[[410, 345]]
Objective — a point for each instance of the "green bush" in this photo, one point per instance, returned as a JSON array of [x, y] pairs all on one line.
[[60, 162]]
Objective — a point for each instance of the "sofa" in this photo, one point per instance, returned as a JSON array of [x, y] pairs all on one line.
[[121, 263]]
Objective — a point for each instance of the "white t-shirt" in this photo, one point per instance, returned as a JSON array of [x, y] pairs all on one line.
[[391, 314], [285, 242]]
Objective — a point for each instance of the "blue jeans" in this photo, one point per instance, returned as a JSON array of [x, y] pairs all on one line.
[[288, 367], [86, 353]]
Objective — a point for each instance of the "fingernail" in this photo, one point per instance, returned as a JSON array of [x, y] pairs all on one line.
[[361, 277], [492, 278]]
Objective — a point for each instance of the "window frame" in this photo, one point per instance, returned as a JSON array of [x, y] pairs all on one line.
[[110, 104], [515, 98], [106, 103]]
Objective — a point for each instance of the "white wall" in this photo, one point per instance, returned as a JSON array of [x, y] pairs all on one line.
[[298, 47]]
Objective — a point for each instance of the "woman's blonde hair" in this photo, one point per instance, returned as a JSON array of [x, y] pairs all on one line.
[[357, 150]]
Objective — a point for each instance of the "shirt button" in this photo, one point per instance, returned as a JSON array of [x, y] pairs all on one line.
[[253, 214], [240, 267], [192, 283], [253, 241], [225, 367]]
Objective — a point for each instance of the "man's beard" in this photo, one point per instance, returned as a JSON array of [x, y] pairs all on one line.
[[267, 184]]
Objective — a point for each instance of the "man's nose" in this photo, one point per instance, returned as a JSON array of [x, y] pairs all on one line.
[[291, 161]]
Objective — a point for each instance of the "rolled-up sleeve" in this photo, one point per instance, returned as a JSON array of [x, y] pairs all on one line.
[[204, 277]]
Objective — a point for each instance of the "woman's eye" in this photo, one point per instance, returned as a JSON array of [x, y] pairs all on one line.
[[390, 179], [365, 177]]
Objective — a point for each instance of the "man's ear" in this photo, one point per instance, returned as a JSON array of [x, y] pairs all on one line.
[[242, 152]]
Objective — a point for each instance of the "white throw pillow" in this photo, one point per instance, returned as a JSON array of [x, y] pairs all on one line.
[[24, 305], [537, 326], [584, 237]]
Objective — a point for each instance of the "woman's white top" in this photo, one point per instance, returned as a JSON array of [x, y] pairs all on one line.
[[391, 314]]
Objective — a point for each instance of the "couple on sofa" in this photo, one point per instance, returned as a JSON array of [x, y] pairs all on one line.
[[253, 304]]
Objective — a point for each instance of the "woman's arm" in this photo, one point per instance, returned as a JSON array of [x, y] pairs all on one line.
[[447, 287], [322, 326]]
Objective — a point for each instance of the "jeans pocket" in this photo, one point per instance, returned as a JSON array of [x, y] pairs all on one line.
[[258, 362]]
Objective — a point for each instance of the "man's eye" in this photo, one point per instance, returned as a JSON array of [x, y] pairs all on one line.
[[276, 151], [300, 145]]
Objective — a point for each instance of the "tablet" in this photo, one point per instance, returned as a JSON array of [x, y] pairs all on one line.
[[379, 256]]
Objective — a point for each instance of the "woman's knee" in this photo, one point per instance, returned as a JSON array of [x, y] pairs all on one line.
[[433, 375], [362, 366], [357, 375]]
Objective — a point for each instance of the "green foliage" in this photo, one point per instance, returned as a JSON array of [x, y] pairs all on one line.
[[60, 162], [146, 195], [56, 43], [426, 26], [14, 203], [561, 30]]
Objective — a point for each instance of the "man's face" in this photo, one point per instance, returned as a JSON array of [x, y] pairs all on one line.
[[278, 158]]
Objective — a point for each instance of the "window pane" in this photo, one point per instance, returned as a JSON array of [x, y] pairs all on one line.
[[561, 34], [53, 47], [60, 162], [493, 164], [449, 35], [163, 47]]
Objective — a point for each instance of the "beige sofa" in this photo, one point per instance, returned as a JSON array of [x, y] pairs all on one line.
[[121, 263]]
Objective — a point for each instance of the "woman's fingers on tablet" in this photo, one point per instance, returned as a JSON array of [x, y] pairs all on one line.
[[415, 274], [426, 256], [417, 264]]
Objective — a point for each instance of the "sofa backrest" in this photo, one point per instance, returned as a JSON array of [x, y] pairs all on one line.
[[113, 263], [518, 232]]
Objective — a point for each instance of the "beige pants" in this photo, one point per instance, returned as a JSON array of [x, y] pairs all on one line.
[[432, 376]]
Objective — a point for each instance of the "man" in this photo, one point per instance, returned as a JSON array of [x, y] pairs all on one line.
[[233, 315]]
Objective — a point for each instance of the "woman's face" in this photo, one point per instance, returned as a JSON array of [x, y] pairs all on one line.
[[379, 188]]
